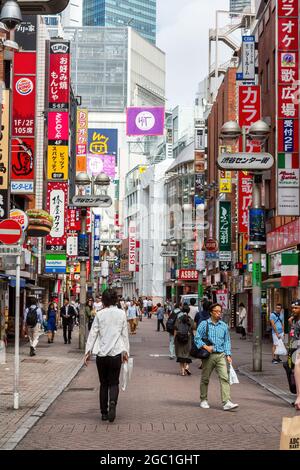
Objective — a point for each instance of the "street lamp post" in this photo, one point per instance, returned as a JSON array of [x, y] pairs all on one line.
[[170, 254], [82, 180], [258, 131]]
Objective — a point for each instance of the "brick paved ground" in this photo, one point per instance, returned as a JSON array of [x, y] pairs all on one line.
[[160, 409], [41, 379]]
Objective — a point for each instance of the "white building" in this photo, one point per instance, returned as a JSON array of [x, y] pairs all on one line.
[[72, 15]]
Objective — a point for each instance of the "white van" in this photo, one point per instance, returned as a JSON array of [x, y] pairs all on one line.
[[186, 298]]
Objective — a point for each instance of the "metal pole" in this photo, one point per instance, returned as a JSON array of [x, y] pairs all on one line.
[[92, 275], [82, 327], [173, 293], [17, 333], [200, 289], [256, 290]]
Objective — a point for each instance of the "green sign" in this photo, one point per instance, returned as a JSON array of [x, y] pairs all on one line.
[[256, 275], [225, 226]]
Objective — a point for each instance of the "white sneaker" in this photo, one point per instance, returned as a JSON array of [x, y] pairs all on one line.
[[204, 404], [230, 406]]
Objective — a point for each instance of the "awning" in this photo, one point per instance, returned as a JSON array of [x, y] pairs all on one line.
[[274, 283], [12, 282]]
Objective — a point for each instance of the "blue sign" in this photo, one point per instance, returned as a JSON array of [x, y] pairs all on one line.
[[83, 245], [103, 141], [22, 187], [97, 220], [248, 38], [257, 226], [288, 134], [212, 256]]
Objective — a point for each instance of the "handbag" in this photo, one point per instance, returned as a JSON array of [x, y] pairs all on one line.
[[200, 353], [280, 349], [233, 378], [290, 433]]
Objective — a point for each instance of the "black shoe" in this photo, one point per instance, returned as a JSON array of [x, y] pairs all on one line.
[[112, 411], [49, 341], [69, 342], [104, 417], [31, 351], [66, 342]]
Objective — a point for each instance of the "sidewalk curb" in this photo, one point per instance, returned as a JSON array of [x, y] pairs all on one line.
[[285, 396], [38, 413]]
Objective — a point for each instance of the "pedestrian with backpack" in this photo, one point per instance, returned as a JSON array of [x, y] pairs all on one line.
[[170, 327], [183, 331], [33, 319]]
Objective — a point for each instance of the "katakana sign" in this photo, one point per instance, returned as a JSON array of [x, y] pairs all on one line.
[[245, 161], [225, 226]]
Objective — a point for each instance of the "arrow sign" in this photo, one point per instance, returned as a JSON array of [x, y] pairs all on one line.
[[92, 201], [10, 232]]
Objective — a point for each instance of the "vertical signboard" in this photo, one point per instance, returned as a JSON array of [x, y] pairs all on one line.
[[145, 121], [97, 222], [81, 139], [26, 33], [4, 141], [245, 200], [132, 261], [23, 121], [57, 197], [225, 231], [288, 187], [59, 75], [248, 57]]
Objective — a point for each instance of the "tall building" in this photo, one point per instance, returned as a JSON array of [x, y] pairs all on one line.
[[239, 5], [72, 15], [140, 14]]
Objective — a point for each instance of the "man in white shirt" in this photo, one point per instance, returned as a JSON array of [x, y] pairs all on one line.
[[98, 305], [193, 309], [108, 339], [33, 319]]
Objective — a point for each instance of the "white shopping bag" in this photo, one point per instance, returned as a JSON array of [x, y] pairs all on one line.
[[126, 373], [280, 349], [233, 378]]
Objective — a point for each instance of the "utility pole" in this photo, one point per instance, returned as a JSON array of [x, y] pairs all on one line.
[[82, 287], [17, 333]]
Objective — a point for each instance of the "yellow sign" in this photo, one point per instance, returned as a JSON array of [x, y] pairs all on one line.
[[58, 159], [4, 140], [76, 269], [225, 181], [243, 252]]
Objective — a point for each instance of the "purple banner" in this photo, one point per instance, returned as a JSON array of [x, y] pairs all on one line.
[[101, 163], [145, 121]]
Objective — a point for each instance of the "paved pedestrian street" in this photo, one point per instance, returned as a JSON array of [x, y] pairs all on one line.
[[160, 409]]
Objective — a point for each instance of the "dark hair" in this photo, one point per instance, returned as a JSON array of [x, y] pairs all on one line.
[[206, 305], [193, 301], [214, 306], [278, 304], [66, 298], [109, 297], [242, 305], [186, 308], [159, 305]]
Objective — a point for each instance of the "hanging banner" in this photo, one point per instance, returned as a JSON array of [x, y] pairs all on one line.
[[81, 139], [58, 127], [225, 226], [225, 182], [73, 219], [132, 259], [97, 222], [101, 164], [4, 140], [23, 119], [72, 245], [103, 141], [58, 160], [245, 184], [59, 75], [248, 57], [57, 199], [145, 121], [288, 90]]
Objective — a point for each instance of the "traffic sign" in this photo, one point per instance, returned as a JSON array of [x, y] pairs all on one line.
[[211, 245], [102, 200], [10, 231], [245, 161]]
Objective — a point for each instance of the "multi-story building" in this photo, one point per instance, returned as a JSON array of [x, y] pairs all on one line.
[[239, 5], [140, 14], [72, 15]]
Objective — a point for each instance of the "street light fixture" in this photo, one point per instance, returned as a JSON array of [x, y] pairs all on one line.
[[258, 131], [170, 254]]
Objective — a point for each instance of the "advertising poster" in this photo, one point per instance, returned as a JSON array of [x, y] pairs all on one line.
[[58, 159], [101, 163], [257, 226], [4, 141], [58, 127], [145, 121], [81, 139], [22, 158], [225, 226], [103, 141]]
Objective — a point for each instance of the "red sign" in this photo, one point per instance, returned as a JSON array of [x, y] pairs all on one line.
[[245, 200], [288, 34], [57, 199], [22, 159], [249, 105], [10, 232], [59, 75], [211, 245], [74, 219], [58, 127], [284, 237], [288, 106], [188, 275], [288, 8]]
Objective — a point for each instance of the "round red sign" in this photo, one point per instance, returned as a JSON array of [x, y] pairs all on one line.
[[10, 231], [211, 245]]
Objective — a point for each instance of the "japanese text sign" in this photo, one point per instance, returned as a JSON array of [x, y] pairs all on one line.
[[58, 162], [245, 200], [58, 127], [57, 197], [4, 141], [59, 75], [145, 121], [225, 226]]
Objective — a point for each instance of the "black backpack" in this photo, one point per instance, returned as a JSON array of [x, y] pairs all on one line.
[[183, 331], [32, 318], [171, 322]]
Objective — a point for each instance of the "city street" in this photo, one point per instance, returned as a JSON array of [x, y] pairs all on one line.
[[160, 409]]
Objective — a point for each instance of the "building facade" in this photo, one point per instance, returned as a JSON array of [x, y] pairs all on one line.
[[239, 5], [140, 14]]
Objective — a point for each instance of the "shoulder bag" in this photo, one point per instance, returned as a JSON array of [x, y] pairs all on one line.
[[200, 353]]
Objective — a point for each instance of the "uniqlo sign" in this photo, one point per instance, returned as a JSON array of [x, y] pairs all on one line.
[[59, 75], [245, 200]]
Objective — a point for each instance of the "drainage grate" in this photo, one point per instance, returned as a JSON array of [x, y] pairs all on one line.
[[37, 361], [80, 389]]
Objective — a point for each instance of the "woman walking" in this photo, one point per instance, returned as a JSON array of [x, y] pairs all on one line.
[[183, 339], [242, 314], [108, 339], [51, 322], [90, 313]]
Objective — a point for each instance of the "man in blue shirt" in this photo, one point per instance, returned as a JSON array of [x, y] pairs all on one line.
[[277, 323], [219, 357]]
